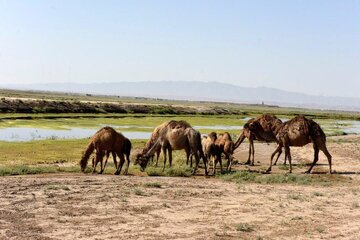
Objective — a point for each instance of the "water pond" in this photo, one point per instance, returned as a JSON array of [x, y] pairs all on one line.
[[15, 133]]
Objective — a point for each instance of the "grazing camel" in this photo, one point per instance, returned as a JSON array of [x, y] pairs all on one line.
[[298, 132], [176, 135], [262, 128], [226, 146], [104, 141], [154, 136], [212, 151]]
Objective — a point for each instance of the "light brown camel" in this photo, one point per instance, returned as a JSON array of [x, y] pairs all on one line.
[[212, 151], [262, 128], [154, 136], [107, 140], [298, 132], [226, 146], [177, 135]]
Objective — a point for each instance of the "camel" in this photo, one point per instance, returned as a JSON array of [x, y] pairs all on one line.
[[298, 132], [154, 136], [226, 146], [211, 151], [176, 135], [262, 128], [104, 141]]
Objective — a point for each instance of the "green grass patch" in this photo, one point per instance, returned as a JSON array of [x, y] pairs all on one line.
[[175, 171], [288, 178], [139, 192], [24, 169], [244, 227], [152, 185]]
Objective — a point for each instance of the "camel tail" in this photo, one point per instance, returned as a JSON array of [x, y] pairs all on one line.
[[127, 147], [83, 162], [239, 141], [315, 131], [199, 147]]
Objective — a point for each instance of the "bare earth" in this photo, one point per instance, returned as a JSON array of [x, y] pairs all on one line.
[[87, 206]]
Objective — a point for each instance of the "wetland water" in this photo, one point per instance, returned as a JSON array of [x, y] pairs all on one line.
[[16, 133]]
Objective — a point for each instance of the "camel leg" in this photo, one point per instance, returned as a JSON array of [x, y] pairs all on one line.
[[277, 158], [329, 157], [98, 157], [288, 154], [205, 165], [197, 162], [121, 163], [95, 162], [215, 160], [251, 146], [187, 151], [157, 156], [114, 158], [170, 156], [208, 159], [221, 168], [228, 167], [127, 164], [285, 159], [272, 156], [316, 158], [164, 153], [323, 148], [252, 153], [106, 160]]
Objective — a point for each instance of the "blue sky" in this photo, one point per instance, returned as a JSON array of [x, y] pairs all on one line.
[[304, 46]]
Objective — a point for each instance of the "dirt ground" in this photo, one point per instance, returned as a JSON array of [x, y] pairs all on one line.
[[92, 206]]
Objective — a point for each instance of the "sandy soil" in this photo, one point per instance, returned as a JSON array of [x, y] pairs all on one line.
[[79, 206]]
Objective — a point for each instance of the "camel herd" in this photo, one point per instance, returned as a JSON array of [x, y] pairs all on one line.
[[179, 135]]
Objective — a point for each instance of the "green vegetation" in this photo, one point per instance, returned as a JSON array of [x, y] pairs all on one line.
[[139, 192], [46, 156], [53, 155], [244, 227], [300, 179], [152, 185]]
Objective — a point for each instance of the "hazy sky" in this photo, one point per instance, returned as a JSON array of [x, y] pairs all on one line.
[[306, 46]]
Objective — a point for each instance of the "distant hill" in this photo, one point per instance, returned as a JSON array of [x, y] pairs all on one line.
[[201, 91]]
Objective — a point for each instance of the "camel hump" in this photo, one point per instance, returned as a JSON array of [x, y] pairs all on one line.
[[178, 124]]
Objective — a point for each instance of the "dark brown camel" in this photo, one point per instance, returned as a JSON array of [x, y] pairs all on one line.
[[107, 140], [262, 128], [298, 132], [177, 135]]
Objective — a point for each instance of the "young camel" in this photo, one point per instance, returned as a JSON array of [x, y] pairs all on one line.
[[298, 132], [212, 151], [226, 146], [262, 128], [107, 140], [177, 135]]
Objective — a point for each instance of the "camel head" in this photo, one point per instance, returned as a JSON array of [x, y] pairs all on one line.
[[142, 160], [212, 136]]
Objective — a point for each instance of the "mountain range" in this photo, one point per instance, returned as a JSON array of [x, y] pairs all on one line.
[[200, 91]]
